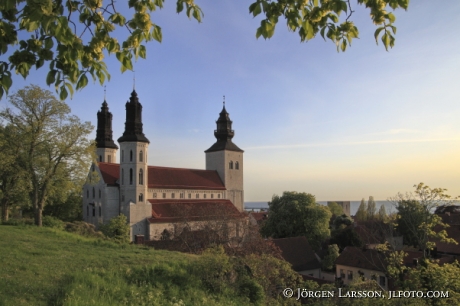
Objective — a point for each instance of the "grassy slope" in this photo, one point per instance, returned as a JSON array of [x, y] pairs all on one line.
[[40, 266]]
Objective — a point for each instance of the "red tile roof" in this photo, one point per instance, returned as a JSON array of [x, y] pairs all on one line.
[[165, 177], [259, 216], [298, 252], [171, 210], [362, 258], [110, 172]]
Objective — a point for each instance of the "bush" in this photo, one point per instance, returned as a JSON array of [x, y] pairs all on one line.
[[19, 222], [83, 229], [117, 229], [49, 221]]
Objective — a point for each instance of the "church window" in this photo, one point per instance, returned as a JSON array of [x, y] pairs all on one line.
[[122, 197], [173, 195], [100, 211], [122, 176], [99, 193], [131, 176], [141, 197], [154, 195], [109, 158], [141, 157], [100, 158], [87, 211], [87, 194], [131, 155], [94, 211], [197, 195], [122, 155], [164, 195], [204, 196], [189, 195], [230, 165], [212, 196], [237, 165], [141, 177], [218, 196], [181, 195], [94, 193]]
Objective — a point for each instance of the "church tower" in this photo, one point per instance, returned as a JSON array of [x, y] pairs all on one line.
[[106, 149], [227, 159], [133, 167]]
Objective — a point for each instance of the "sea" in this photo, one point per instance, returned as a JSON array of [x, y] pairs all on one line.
[[389, 206]]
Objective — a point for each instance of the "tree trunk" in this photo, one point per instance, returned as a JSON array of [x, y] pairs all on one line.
[[4, 210], [38, 216]]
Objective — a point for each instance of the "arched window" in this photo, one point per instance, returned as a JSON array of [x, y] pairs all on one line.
[[87, 194], [87, 211], [94, 193], [131, 155], [122, 176], [141, 156], [218, 196], [109, 158], [230, 165], [197, 195], [141, 197], [141, 177], [164, 195], [212, 196], [237, 165], [100, 158], [99, 193], [122, 155], [173, 195], [189, 195], [154, 195], [131, 176], [204, 196], [100, 211]]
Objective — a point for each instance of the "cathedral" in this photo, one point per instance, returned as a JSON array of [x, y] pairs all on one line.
[[152, 197]]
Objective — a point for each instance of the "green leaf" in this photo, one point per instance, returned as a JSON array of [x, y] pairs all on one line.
[[344, 45], [391, 17], [49, 43], [377, 33], [82, 82], [156, 34], [51, 77], [63, 94], [142, 51]]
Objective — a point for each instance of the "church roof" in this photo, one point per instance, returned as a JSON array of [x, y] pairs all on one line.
[[165, 177], [176, 210], [110, 172]]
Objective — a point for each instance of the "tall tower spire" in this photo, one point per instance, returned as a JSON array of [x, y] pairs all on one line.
[[106, 148], [133, 124]]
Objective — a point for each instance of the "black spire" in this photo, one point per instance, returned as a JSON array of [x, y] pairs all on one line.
[[104, 128], [224, 134], [133, 124]]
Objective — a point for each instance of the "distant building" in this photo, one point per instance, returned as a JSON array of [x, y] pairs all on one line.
[[155, 198], [345, 206]]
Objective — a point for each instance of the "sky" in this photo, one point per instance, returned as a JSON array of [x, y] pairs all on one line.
[[341, 126]]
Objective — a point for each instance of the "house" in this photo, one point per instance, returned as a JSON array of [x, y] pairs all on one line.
[[156, 199], [298, 252]]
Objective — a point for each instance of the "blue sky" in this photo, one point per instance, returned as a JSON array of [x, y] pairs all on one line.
[[341, 126]]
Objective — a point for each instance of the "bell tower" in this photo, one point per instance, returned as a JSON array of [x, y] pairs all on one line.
[[106, 149], [227, 159], [133, 168]]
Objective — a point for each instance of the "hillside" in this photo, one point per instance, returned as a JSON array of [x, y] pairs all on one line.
[[41, 266]]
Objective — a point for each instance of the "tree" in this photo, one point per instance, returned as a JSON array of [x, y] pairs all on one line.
[[117, 229], [361, 213], [328, 262], [297, 214], [382, 214], [416, 220], [335, 208], [371, 208], [71, 37], [13, 187], [53, 147]]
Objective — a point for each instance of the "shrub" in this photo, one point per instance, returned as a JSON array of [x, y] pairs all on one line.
[[49, 221], [117, 229], [83, 229], [19, 222]]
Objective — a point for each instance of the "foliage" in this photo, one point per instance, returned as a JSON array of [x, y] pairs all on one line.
[[117, 228], [346, 237], [65, 206], [328, 262], [335, 208], [54, 152], [311, 17], [297, 214], [53, 222], [382, 214], [361, 213], [341, 222], [416, 221], [72, 37]]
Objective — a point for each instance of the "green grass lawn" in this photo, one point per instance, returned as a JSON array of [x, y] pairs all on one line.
[[42, 266]]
